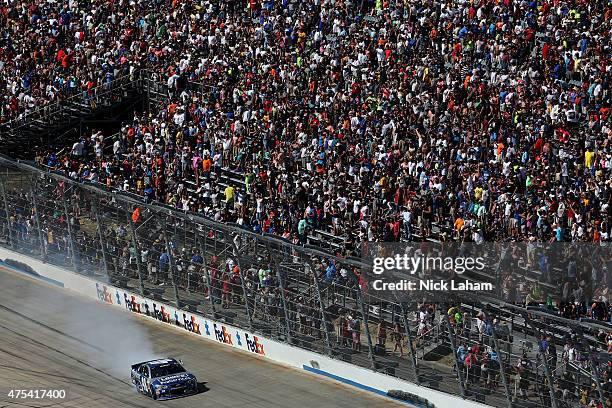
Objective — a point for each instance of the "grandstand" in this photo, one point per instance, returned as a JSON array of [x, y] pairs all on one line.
[[232, 161]]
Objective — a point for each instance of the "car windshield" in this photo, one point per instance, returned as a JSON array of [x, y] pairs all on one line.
[[166, 369]]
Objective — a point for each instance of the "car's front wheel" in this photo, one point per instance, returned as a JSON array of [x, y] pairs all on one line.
[[153, 394]]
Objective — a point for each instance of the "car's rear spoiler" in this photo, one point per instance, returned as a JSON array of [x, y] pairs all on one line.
[[135, 366]]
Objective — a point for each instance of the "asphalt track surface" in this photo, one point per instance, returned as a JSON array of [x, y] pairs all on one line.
[[51, 338]]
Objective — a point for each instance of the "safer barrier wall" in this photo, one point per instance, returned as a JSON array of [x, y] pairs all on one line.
[[232, 336]]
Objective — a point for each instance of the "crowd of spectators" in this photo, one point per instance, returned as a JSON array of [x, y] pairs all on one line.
[[370, 119]]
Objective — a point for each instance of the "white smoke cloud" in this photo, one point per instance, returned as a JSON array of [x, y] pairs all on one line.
[[112, 339]]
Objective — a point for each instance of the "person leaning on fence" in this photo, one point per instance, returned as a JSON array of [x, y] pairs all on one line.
[[523, 369], [471, 363], [125, 259], [342, 328], [382, 334], [480, 326], [355, 324], [213, 272], [236, 282], [462, 352], [467, 325], [398, 338], [567, 384], [424, 318], [164, 267], [552, 354], [583, 396], [478, 356], [459, 322], [491, 368], [145, 259], [151, 256], [195, 271], [301, 315], [226, 290]]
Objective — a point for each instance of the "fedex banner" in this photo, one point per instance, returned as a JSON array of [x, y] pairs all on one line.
[[170, 315]]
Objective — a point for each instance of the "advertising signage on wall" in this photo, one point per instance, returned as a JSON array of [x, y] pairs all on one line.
[[244, 341], [255, 345], [195, 324]]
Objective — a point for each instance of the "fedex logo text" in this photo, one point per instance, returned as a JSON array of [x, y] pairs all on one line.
[[161, 314], [222, 335], [131, 303], [254, 345], [190, 324], [104, 294]]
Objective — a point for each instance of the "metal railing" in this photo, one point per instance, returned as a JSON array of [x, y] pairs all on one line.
[[100, 95]]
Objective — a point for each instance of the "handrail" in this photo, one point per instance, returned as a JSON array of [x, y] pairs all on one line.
[[143, 76], [48, 109]]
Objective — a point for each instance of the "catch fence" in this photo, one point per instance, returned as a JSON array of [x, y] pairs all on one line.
[[303, 296]]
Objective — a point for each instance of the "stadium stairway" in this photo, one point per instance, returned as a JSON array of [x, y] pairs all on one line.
[[53, 123]]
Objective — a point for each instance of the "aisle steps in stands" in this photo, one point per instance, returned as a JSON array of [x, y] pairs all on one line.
[[41, 126]]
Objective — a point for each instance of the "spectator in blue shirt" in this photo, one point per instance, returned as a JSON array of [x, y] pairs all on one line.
[[330, 272]]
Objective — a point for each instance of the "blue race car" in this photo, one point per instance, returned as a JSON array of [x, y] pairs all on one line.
[[163, 379]]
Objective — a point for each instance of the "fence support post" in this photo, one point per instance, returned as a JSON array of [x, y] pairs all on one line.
[[326, 323], [9, 236], [281, 284], [70, 236], [596, 377], [451, 337], [366, 326], [95, 208], [137, 252], [551, 389], [171, 265], [43, 253], [244, 288], [502, 370], [413, 356], [208, 279]]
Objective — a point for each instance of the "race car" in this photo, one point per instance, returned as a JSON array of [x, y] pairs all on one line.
[[163, 379]]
